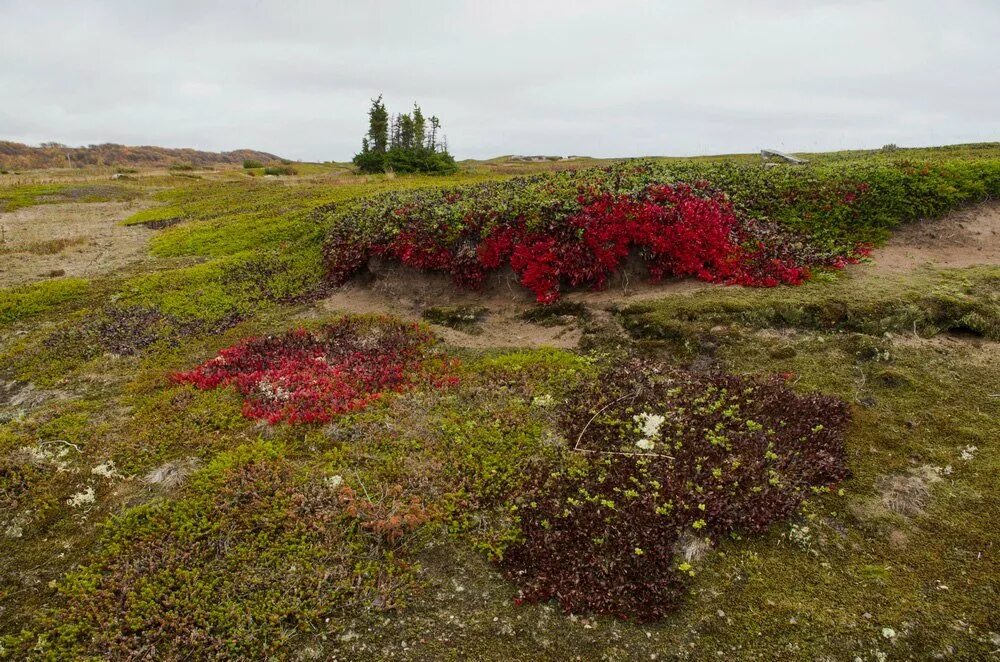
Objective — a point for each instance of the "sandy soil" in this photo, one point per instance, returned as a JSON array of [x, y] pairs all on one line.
[[962, 239], [96, 243], [406, 293]]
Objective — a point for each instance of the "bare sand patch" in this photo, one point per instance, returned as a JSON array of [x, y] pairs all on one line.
[[963, 238], [72, 239]]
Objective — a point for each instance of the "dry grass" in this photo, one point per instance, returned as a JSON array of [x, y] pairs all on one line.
[[43, 247]]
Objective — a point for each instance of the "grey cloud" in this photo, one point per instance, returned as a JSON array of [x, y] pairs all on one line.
[[557, 76]]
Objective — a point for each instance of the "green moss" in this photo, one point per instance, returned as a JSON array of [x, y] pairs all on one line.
[[463, 318], [28, 195], [23, 303], [963, 300]]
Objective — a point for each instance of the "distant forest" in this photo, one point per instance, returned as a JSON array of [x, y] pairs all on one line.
[[17, 156], [408, 142]]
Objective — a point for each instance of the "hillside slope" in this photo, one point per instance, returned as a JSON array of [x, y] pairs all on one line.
[[54, 155]]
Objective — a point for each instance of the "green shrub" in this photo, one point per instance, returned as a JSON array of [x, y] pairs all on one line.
[[250, 163], [280, 170]]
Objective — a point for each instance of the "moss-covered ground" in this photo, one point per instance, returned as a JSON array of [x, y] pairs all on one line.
[[141, 518]]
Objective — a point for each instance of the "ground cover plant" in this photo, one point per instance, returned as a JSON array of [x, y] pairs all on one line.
[[17, 197], [310, 376], [676, 459], [926, 303], [718, 222], [295, 548]]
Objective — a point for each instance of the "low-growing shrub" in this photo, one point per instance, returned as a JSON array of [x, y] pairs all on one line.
[[253, 555], [306, 377], [668, 457], [250, 163], [957, 300], [678, 230], [280, 170], [123, 331], [557, 313], [723, 222], [181, 167]]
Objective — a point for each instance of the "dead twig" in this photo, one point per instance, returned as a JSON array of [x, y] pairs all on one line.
[[576, 446], [61, 441]]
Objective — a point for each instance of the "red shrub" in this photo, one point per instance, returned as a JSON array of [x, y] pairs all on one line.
[[305, 377], [678, 230]]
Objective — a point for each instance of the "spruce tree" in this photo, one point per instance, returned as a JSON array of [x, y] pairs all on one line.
[[419, 128], [402, 143], [378, 126]]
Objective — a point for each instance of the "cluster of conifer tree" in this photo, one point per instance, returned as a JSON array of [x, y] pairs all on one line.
[[408, 142]]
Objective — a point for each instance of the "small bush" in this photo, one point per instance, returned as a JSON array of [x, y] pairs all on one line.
[[250, 163], [280, 170], [304, 377], [181, 167], [669, 457]]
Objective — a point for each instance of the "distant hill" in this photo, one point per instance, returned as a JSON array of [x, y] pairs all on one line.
[[17, 156]]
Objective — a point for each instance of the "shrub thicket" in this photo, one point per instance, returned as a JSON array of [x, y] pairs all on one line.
[[718, 221]]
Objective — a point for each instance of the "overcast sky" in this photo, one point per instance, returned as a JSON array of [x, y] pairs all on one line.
[[604, 78]]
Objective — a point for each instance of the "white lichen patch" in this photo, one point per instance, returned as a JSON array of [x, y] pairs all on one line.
[[969, 453], [273, 392], [84, 498], [106, 470], [545, 400], [801, 535], [14, 528], [649, 428], [46, 455], [334, 481]]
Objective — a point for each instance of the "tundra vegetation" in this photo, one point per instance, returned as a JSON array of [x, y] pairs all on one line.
[[200, 458]]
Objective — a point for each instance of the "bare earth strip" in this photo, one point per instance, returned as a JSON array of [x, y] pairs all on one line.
[[94, 241]]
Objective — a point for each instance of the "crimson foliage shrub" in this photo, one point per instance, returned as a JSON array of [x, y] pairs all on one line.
[[306, 377], [577, 231], [671, 457]]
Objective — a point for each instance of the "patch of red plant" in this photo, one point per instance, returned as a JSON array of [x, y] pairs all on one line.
[[310, 377]]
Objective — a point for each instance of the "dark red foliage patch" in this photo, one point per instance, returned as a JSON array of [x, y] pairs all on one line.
[[671, 457], [309, 377]]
